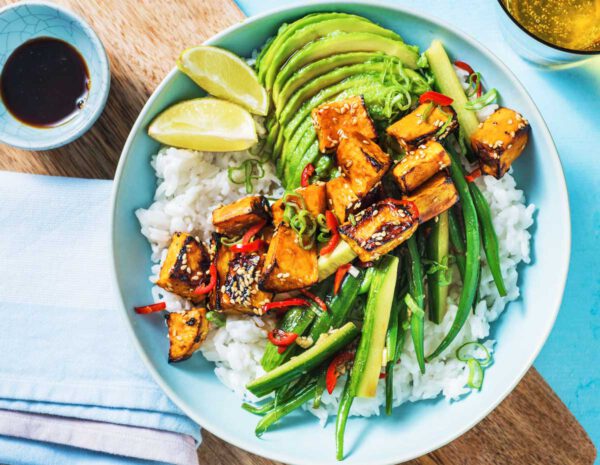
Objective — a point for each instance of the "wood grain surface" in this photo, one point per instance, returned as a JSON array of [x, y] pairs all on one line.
[[143, 38]]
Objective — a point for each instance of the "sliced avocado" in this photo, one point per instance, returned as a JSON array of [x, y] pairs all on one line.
[[315, 30], [328, 264], [337, 43], [283, 33], [319, 67], [327, 80], [295, 148], [309, 156]]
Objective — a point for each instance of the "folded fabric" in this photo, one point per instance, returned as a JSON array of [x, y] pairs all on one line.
[[65, 350]]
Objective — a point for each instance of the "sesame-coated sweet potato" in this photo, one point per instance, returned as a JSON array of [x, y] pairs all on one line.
[[187, 332], [500, 140], [185, 267]]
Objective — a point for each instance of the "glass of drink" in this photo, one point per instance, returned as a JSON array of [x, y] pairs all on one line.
[[554, 33]]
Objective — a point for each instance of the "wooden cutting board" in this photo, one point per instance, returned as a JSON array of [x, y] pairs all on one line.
[[143, 38]]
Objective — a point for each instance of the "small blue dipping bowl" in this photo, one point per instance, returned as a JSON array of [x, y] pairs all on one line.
[[25, 21]]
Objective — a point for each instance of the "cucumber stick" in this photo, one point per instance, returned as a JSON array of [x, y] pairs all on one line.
[[324, 349], [369, 355], [437, 252], [449, 84], [328, 264]]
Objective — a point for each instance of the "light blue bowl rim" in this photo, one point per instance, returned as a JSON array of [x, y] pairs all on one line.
[[50, 143], [562, 210]]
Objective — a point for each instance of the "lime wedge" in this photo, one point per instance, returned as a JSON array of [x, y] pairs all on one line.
[[225, 75], [206, 124]]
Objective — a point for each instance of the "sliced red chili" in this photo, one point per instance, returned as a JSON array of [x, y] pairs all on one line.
[[307, 172], [249, 247], [412, 206], [281, 349], [336, 368], [315, 298], [254, 230], [200, 290], [332, 224], [145, 309], [382, 375], [297, 302], [435, 97], [473, 175], [339, 277], [464, 66], [281, 338]]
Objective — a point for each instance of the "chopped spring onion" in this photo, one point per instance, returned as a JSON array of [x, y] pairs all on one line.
[[352, 219], [475, 380], [486, 99], [475, 84], [474, 350], [413, 307], [216, 319], [246, 172], [427, 111], [229, 241]]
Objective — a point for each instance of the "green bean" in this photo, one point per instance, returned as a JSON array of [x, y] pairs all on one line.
[[342, 418], [472, 264], [304, 395], [458, 242], [394, 343], [259, 410], [339, 307], [320, 388], [417, 319], [366, 284], [490, 239]]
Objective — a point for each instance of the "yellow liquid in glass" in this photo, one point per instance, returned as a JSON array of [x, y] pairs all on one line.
[[571, 24]]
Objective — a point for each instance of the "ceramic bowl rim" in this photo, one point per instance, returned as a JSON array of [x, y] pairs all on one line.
[[563, 208], [52, 142]]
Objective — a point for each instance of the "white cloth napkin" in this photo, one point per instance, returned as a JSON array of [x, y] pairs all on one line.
[[69, 373]]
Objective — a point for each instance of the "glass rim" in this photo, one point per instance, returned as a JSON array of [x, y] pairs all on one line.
[[545, 42]]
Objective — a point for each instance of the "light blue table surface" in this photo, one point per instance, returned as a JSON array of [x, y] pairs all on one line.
[[569, 101]]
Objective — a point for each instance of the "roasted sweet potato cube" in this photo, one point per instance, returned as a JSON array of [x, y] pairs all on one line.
[[419, 165], [341, 197], [335, 120], [413, 129], [288, 266], [237, 281], [434, 197], [343, 201], [240, 215], [185, 267], [363, 162], [187, 331], [315, 201], [499, 140], [379, 229]]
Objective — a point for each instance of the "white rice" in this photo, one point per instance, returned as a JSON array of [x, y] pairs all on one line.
[[192, 184]]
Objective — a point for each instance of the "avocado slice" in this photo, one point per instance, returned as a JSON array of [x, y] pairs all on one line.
[[326, 80], [264, 60], [316, 30], [337, 43], [319, 67]]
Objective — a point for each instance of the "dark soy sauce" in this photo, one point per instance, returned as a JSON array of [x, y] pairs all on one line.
[[45, 82]]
